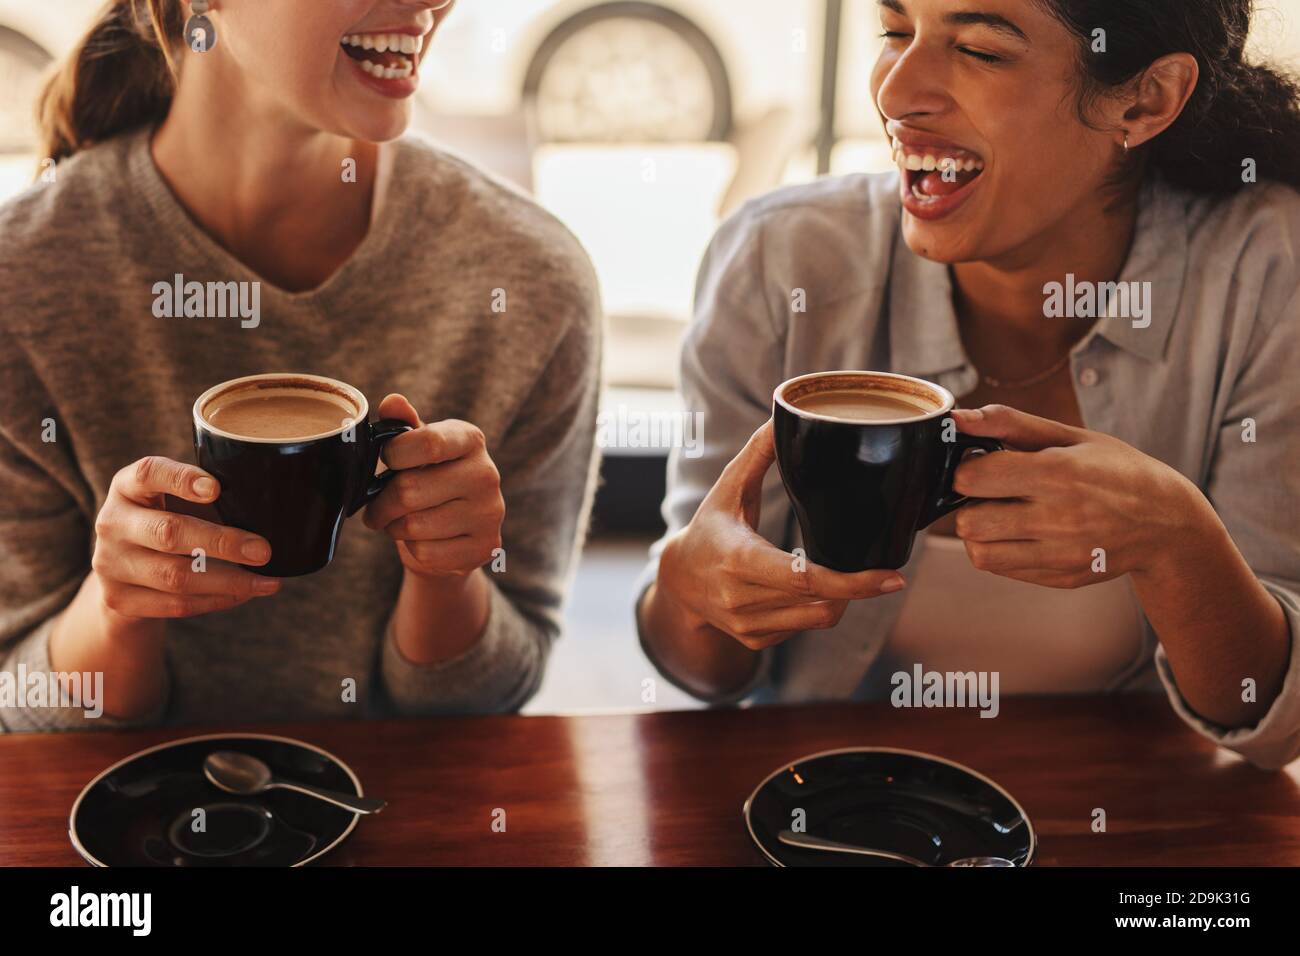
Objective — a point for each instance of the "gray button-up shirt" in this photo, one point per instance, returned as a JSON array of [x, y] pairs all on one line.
[[819, 277]]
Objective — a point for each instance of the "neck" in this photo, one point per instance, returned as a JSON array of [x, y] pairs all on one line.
[[267, 187], [1003, 298]]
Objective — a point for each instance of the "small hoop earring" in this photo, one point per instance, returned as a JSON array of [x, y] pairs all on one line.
[[200, 34], [1126, 142]]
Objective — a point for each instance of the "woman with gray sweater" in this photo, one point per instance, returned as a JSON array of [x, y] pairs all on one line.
[[221, 150]]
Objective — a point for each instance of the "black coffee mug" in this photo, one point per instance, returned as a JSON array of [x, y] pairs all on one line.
[[294, 491], [862, 489]]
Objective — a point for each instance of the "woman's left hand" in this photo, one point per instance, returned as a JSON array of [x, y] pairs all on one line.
[[444, 506], [1070, 507]]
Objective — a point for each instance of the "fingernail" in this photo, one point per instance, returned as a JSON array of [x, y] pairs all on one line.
[[893, 584], [267, 585], [257, 551], [205, 487], [974, 414]]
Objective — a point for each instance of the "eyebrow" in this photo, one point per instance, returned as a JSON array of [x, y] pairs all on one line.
[[994, 21]]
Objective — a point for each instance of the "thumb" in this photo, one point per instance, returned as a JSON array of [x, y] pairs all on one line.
[[741, 482], [1018, 429], [397, 406]]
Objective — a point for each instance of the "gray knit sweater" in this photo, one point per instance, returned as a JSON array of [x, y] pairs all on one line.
[[465, 296]]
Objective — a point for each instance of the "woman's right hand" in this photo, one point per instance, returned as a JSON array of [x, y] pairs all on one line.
[[145, 557], [720, 572]]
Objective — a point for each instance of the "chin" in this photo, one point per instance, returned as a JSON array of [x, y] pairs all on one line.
[[937, 244], [380, 126]]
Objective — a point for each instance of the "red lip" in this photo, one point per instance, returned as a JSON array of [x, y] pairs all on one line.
[[917, 140], [398, 89], [938, 208], [408, 30]]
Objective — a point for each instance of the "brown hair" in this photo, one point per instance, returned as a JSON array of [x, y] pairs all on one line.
[[1239, 110], [120, 76]]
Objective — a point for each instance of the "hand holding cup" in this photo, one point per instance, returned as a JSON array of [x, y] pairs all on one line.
[[726, 575], [154, 564]]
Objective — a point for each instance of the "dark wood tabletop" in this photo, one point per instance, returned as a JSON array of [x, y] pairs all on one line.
[[667, 788]]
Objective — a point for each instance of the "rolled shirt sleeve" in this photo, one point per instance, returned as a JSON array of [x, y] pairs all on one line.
[[730, 362], [1255, 488]]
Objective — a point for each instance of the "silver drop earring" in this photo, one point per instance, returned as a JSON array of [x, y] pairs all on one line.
[[200, 34]]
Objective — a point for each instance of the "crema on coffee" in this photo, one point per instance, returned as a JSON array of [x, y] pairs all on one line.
[[862, 405], [280, 414]]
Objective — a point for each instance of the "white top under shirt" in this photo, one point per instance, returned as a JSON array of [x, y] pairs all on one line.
[[1040, 640]]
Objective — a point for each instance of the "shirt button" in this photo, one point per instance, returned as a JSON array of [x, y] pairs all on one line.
[[1089, 377]]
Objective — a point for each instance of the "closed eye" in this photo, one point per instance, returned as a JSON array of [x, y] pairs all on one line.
[[974, 54], [985, 57]]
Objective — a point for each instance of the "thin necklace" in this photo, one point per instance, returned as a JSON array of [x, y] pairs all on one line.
[[1030, 382]]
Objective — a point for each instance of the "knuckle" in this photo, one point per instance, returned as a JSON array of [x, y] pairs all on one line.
[[729, 598], [104, 523], [176, 605], [164, 532], [222, 544], [735, 625], [172, 578], [824, 617], [430, 443], [113, 597], [143, 471], [408, 489], [978, 555]]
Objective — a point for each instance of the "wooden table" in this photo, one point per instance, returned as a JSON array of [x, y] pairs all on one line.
[[666, 788]]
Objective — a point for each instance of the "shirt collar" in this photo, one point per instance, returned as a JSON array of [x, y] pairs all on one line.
[[924, 336]]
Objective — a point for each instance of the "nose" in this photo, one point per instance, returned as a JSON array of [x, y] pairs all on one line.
[[913, 84]]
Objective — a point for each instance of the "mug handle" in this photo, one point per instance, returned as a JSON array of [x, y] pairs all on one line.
[[380, 434], [949, 501]]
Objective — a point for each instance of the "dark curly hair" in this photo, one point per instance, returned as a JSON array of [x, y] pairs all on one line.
[[1239, 110]]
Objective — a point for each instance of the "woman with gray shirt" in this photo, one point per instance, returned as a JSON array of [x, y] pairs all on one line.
[[272, 161], [1144, 525]]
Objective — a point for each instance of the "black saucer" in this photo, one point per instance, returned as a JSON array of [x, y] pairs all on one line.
[[141, 810], [899, 801]]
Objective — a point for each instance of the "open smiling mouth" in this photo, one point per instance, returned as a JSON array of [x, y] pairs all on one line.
[[936, 180], [385, 56]]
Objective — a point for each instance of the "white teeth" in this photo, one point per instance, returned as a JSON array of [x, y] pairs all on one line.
[[385, 42], [917, 162], [922, 196], [401, 71]]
